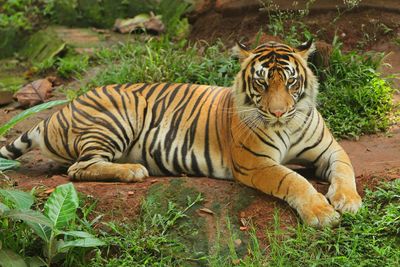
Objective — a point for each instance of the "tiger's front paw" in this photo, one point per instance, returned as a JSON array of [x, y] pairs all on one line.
[[318, 213], [132, 173], [344, 199]]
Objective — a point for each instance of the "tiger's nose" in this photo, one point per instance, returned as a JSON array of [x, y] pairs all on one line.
[[277, 113]]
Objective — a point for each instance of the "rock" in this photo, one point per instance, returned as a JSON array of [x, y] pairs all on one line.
[[42, 46]]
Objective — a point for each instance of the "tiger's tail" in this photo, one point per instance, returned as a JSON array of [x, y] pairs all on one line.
[[25, 142]]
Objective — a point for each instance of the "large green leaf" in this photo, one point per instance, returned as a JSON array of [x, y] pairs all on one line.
[[9, 258], [81, 234], [6, 164], [61, 206], [31, 216], [3, 208], [21, 200], [83, 243], [43, 231], [28, 112]]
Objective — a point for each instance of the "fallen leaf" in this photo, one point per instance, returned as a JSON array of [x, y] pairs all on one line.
[[205, 210], [153, 181], [35, 92], [130, 193], [49, 191], [148, 23], [243, 228]]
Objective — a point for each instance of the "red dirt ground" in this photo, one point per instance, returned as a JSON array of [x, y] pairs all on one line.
[[375, 157]]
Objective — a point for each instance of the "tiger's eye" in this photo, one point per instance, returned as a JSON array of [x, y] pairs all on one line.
[[291, 80], [260, 84]]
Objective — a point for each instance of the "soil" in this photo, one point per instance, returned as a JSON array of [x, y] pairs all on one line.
[[375, 157]]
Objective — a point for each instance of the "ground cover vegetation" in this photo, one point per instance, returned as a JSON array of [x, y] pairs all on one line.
[[354, 99]]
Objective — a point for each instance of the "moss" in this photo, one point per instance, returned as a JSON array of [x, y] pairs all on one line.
[[192, 229]]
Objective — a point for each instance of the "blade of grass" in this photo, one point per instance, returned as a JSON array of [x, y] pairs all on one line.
[[26, 113]]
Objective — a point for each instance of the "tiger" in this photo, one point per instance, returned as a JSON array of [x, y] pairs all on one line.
[[248, 132]]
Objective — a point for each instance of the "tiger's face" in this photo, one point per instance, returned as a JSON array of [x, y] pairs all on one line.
[[274, 83]]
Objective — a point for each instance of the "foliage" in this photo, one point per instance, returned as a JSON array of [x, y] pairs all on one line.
[[19, 14], [55, 226], [27, 113], [162, 61], [288, 24], [354, 98], [369, 238], [147, 242]]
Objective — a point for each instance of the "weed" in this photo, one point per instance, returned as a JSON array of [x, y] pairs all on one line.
[[163, 61], [368, 238], [71, 65], [288, 24], [354, 99], [53, 226], [147, 242]]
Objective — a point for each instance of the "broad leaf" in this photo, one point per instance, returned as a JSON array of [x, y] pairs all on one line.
[[81, 234], [28, 112], [35, 262], [61, 206], [6, 164], [31, 216], [3, 208], [43, 231], [83, 243], [22, 200], [9, 258]]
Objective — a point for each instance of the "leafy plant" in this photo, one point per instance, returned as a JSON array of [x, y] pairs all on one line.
[[148, 241], [52, 226], [354, 98], [288, 24]]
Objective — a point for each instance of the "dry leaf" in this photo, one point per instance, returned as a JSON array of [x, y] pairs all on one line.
[[130, 193], [35, 92], [205, 210], [243, 228], [49, 191]]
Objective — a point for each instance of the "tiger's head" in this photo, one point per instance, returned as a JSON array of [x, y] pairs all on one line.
[[274, 83]]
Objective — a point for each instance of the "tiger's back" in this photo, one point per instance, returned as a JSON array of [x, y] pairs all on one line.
[[171, 129]]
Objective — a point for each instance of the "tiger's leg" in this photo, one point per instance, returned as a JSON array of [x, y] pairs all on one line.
[[286, 184], [335, 166], [96, 165], [97, 169]]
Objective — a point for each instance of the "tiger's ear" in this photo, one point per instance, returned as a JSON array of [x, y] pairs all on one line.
[[241, 51], [305, 49]]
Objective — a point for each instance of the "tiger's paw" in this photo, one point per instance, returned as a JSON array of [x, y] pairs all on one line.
[[318, 213], [344, 199], [132, 173]]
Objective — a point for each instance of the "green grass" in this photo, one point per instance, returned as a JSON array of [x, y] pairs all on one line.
[[160, 60], [354, 99], [369, 238], [150, 240]]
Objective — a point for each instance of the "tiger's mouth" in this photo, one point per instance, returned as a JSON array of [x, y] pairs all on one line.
[[271, 120]]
